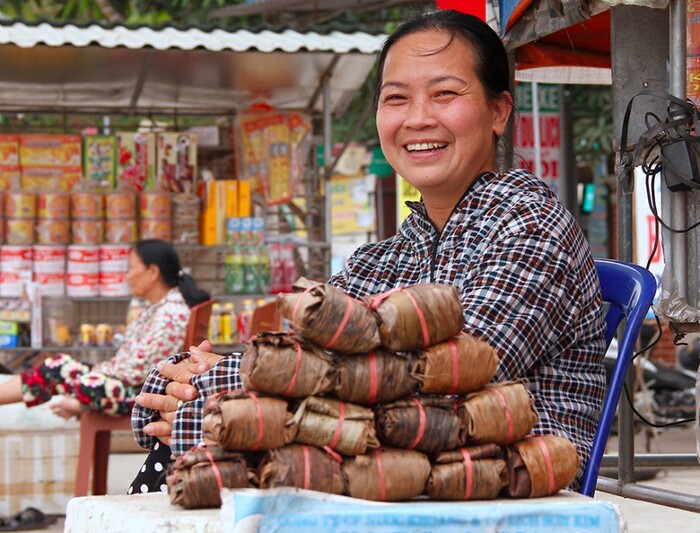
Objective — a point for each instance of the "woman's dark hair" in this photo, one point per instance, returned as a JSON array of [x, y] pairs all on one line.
[[489, 53], [164, 256]]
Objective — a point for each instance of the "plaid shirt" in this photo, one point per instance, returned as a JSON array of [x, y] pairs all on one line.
[[528, 285], [187, 427]]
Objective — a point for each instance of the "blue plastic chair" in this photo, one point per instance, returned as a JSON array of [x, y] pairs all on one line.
[[629, 289]]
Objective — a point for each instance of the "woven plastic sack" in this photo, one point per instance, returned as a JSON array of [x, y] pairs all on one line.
[[286, 365], [474, 473], [330, 318], [501, 413], [303, 467], [373, 378], [426, 424], [344, 427], [458, 365], [540, 466], [387, 475], [240, 420], [197, 476], [415, 317]]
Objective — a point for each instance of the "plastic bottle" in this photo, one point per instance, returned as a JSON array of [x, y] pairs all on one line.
[[225, 324], [215, 324], [235, 275], [245, 321], [289, 266], [276, 269], [229, 324], [250, 268], [263, 270]]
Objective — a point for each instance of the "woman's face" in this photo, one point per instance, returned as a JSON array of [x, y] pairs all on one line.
[[436, 125], [139, 277]]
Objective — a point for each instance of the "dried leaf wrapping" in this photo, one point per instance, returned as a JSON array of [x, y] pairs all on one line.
[[240, 420], [373, 378], [303, 467], [415, 317], [540, 466], [387, 475], [474, 473], [425, 424], [458, 365], [328, 317], [283, 364], [501, 414], [342, 426], [193, 481]]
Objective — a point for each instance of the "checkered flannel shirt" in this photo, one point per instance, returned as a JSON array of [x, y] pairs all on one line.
[[187, 427], [528, 285]]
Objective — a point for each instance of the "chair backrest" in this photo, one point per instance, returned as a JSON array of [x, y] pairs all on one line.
[[266, 318], [629, 290], [198, 326]]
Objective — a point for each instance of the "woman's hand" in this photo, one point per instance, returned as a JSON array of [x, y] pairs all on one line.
[[178, 391]]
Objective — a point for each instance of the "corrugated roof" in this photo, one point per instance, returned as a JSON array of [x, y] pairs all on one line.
[[54, 67], [287, 40]]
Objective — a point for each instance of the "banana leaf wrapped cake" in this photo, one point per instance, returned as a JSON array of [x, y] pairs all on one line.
[[376, 377], [196, 478], [458, 365], [415, 317], [501, 413], [328, 317], [303, 467], [387, 475], [473, 473], [540, 466], [344, 427], [284, 364], [240, 420], [427, 424]]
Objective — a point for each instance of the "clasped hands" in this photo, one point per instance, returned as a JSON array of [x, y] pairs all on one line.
[[179, 389]]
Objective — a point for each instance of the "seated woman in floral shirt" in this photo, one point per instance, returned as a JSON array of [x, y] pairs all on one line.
[[110, 387]]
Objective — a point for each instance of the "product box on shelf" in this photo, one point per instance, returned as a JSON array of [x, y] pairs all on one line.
[[176, 169], [100, 159], [47, 178], [135, 160], [213, 220], [8, 334], [9, 177], [9, 150], [50, 150]]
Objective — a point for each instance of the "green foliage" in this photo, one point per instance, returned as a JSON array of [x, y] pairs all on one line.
[[592, 118]]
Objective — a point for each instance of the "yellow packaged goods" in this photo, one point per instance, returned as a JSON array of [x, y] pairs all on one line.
[[176, 170], [120, 205], [20, 204], [87, 205], [53, 231], [19, 231], [9, 178], [9, 150], [36, 178], [53, 205], [135, 160], [245, 206], [155, 229], [213, 227], [120, 231], [231, 198], [100, 159], [87, 231], [155, 205], [50, 150]]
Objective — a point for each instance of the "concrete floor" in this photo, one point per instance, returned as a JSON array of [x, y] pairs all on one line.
[[641, 517]]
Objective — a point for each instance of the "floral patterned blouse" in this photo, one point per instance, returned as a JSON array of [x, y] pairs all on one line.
[[157, 332]]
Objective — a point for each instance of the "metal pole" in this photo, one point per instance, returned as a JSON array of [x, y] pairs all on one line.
[[327, 167]]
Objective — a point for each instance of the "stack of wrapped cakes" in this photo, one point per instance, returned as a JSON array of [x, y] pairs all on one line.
[[382, 399]]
